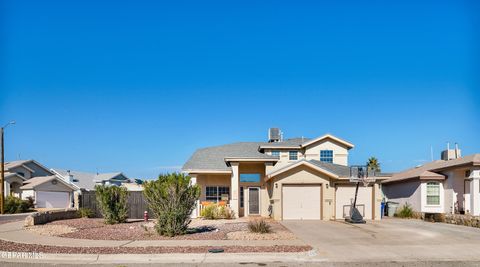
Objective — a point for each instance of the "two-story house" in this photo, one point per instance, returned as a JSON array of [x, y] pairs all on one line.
[[297, 178]]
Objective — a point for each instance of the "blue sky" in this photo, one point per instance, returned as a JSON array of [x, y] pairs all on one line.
[[138, 86]]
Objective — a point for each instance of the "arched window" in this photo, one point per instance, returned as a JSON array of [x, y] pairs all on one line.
[[433, 193]]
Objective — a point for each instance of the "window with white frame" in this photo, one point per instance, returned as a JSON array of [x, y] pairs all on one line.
[[433, 193], [276, 153], [292, 155], [326, 156], [215, 193]]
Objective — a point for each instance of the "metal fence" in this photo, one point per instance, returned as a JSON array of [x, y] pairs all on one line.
[[136, 204]]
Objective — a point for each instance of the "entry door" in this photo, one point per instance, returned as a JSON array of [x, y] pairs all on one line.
[[253, 201]]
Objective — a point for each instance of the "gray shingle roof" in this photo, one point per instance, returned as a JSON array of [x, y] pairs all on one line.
[[340, 170], [87, 180], [434, 166], [213, 158]]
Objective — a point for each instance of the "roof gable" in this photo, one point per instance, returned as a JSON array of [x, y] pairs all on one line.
[[348, 145], [301, 163]]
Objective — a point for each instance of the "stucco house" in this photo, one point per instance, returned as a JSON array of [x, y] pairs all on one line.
[[28, 178], [55, 188], [298, 178], [449, 185]]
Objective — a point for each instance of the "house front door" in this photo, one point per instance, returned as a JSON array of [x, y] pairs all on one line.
[[253, 201]]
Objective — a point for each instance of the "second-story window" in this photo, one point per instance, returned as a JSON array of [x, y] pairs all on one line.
[[326, 156], [292, 155], [276, 153]]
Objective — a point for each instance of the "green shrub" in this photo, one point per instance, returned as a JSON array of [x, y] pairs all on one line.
[[172, 199], [16, 205], [85, 213], [405, 211], [259, 226], [31, 202], [215, 212], [112, 201]]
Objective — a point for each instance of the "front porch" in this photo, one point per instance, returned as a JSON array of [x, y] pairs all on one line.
[[243, 189]]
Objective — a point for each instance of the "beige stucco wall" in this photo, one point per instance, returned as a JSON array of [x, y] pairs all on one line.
[[340, 152], [212, 180], [302, 175], [48, 186]]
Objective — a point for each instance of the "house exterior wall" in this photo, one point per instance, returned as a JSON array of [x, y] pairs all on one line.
[[48, 186], [20, 169], [340, 152], [404, 192], [204, 180], [28, 193], [302, 175], [38, 171], [423, 200], [248, 168]]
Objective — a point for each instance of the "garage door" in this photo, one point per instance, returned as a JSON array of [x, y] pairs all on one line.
[[344, 199], [52, 199], [301, 202]]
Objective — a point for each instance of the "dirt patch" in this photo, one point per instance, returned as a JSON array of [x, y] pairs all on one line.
[[20, 247], [199, 229], [245, 235]]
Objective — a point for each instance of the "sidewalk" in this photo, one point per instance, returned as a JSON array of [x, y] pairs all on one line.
[[14, 232]]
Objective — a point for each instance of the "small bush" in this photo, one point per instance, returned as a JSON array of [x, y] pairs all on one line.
[[16, 205], [172, 199], [112, 201], [85, 213], [215, 212], [405, 211], [259, 226]]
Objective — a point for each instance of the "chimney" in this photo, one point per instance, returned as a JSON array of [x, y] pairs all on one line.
[[69, 177]]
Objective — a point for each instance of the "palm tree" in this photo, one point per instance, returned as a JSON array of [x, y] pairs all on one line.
[[373, 164]]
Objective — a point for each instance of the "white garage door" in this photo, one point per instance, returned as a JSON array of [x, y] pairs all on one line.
[[301, 202], [52, 199], [344, 199]]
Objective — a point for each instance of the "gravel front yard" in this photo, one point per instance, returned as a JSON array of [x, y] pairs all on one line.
[[138, 230], [18, 247]]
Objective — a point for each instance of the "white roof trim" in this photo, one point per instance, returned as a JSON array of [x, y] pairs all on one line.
[[208, 171], [341, 141], [227, 159], [296, 164]]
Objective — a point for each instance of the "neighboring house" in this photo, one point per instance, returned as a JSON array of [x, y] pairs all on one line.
[[28, 178], [449, 185], [85, 181], [297, 178]]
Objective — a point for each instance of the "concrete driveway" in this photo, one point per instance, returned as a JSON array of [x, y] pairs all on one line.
[[389, 240]]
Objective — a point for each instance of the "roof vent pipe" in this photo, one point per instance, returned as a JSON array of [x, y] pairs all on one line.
[[456, 151]]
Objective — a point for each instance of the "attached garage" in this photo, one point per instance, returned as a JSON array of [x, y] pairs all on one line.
[[47, 199], [344, 196], [301, 202], [49, 191]]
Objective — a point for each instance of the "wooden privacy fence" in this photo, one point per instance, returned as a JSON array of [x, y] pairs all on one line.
[[136, 204]]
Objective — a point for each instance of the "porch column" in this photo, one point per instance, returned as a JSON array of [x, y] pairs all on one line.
[[475, 193], [234, 185], [193, 181]]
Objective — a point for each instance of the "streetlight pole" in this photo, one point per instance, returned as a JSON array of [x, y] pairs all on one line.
[[2, 177]]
